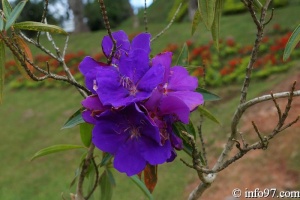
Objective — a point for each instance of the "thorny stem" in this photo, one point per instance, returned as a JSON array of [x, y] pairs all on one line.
[[107, 27]]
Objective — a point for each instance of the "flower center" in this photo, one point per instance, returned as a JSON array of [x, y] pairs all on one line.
[[127, 83], [134, 133]]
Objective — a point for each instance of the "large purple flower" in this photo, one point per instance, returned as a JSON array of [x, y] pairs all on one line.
[[130, 78], [132, 138]]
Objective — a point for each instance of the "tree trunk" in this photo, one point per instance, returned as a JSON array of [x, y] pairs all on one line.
[[193, 6], [77, 7]]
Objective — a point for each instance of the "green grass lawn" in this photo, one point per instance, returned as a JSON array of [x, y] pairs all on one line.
[[31, 119]]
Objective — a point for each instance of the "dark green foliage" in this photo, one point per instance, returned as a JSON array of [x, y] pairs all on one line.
[[117, 12]]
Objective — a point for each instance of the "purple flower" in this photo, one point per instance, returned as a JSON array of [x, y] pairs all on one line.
[[175, 96], [130, 78], [132, 138]]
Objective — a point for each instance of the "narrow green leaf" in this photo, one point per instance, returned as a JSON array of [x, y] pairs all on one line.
[[207, 114], [257, 5], [183, 58], [105, 186], [1, 24], [111, 177], [74, 120], [215, 29], [6, 8], [55, 149], [291, 44], [38, 26], [91, 180], [2, 67], [178, 128], [207, 12], [196, 21], [208, 96], [86, 133], [14, 14], [106, 159], [142, 186]]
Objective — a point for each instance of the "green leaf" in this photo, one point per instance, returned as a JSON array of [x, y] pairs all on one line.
[[207, 114], [105, 159], [2, 67], [178, 128], [74, 120], [207, 12], [6, 8], [55, 149], [291, 44], [111, 177], [208, 96], [1, 24], [105, 186], [14, 14], [38, 26], [215, 29], [142, 186], [183, 58], [257, 5], [86, 133], [196, 21]]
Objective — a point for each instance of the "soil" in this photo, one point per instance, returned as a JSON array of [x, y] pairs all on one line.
[[277, 167]]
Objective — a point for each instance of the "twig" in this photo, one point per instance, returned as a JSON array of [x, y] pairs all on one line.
[[84, 169], [203, 149], [145, 17], [168, 26], [277, 106], [263, 142], [96, 181], [107, 26], [43, 19], [272, 13], [254, 53]]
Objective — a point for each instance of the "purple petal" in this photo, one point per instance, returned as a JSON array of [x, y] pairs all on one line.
[[129, 160], [165, 59], [121, 39], [181, 80], [153, 102], [173, 156], [153, 153], [139, 119], [134, 65], [110, 90], [176, 141], [151, 80], [92, 103], [174, 105], [191, 99], [108, 133], [142, 41], [89, 67], [87, 117]]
